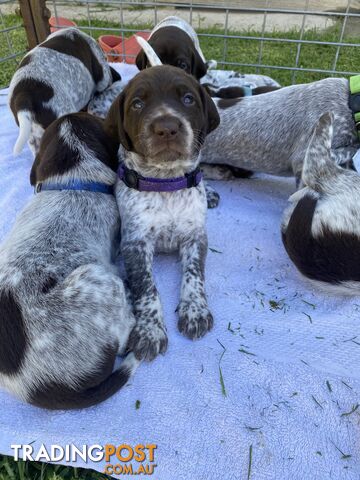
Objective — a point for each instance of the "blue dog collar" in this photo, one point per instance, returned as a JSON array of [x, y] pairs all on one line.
[[77, 186]]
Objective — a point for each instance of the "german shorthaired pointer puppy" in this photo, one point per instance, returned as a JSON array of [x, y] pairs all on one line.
[[57, 77], [161, 120], [63, 309], [176, 43], [270, 133], [321, 228], [101, 102], [231, 84]]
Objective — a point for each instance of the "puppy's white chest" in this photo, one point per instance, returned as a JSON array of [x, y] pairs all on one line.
[[166, 218]]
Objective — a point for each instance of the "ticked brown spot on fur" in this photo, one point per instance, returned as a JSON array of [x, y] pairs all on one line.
[[13, 337], [79, 48], [225, 103]]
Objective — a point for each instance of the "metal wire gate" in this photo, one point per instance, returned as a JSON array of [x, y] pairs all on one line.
[[292, 40]]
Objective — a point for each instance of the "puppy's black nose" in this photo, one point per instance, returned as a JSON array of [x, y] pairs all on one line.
[[166, 127]]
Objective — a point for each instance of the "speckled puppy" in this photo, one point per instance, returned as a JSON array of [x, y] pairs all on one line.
[[161, 119], [176, 43], [321, 227], [57, 77], [270, 133], [63, 310]]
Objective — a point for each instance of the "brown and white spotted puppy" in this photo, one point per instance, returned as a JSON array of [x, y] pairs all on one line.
[[64, 315], [238, 92], [270, 132], [176, 43], [321, 228], [57, 77], [161, 120]]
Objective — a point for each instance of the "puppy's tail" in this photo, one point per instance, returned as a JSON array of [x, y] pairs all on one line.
[[25, 121], [65, 399], [319, 168], [211, 64], [154, 60]]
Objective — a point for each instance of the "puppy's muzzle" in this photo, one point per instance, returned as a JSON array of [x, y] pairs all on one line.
[[166, 128]]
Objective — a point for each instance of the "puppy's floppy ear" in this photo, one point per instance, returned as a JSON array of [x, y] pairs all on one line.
[[33, 176], [90, 131], [115, 75], [54, 158], [114, 122], [210, 111], [319, 167], [198, 67], [141, 60], [60, 146]]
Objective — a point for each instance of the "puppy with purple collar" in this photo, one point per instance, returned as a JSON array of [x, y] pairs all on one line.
[[161, 120]]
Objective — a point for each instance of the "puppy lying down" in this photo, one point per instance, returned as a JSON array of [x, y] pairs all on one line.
[[174, 42], [239, 86], [321, 227], [63, 311], [57, 77], [270, 133], [218, 80], [161, 120]]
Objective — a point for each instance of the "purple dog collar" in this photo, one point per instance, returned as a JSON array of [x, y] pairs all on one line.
[[147, 184]]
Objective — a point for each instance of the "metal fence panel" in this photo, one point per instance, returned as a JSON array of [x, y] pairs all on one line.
[[13, 43], [291, 40]]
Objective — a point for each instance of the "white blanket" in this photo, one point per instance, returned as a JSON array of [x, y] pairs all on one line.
[[290, 368]]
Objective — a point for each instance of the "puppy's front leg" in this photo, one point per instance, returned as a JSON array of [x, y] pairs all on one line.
[[212, 197], [195, 319], [148, 338]]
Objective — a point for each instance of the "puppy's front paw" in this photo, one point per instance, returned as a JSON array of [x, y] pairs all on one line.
[[213, 198], [195, 320], [147, 340]]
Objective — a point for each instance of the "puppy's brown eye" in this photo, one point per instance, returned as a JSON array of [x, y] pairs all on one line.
[[137, 104], [188, 99], [182, 64]]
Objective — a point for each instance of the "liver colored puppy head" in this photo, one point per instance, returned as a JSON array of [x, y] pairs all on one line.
[[174, 47], [67, 142], [162, 116]]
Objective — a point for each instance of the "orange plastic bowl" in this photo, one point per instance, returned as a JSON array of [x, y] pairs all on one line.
[[111, 45], [117, 50], [132, 48], [57, 23]]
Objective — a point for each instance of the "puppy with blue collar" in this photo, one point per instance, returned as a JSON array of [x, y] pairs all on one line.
[[161, 120], [64, 315]]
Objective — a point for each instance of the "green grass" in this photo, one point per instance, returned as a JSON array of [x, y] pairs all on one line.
[[17, 44], [11, 470], [237, 50]]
